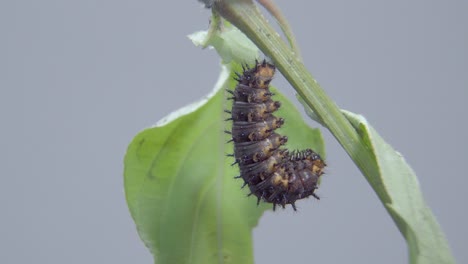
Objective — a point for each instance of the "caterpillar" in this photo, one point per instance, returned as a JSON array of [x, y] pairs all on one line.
[[273, 173]]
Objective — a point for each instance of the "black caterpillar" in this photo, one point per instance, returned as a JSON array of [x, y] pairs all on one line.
[[273, 174]]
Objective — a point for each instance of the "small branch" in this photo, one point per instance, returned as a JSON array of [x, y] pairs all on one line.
[[271, 7]]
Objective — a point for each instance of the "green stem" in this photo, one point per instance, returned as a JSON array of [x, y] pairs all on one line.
[[245, 16]]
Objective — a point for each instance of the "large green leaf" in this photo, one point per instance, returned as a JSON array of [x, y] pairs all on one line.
[[179, 185]]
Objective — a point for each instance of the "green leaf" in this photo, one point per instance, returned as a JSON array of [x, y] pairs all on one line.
[[180, 187], [397, 186], [229, 42]]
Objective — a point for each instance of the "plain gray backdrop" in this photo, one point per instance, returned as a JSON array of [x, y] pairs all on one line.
[[78, 79]]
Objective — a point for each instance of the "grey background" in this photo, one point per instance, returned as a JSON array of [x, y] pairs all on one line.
[[78, 79]]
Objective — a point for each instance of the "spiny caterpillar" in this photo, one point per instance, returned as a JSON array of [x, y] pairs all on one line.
[[273, 174]]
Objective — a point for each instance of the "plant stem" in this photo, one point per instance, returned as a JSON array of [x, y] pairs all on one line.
[[245, 16]]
